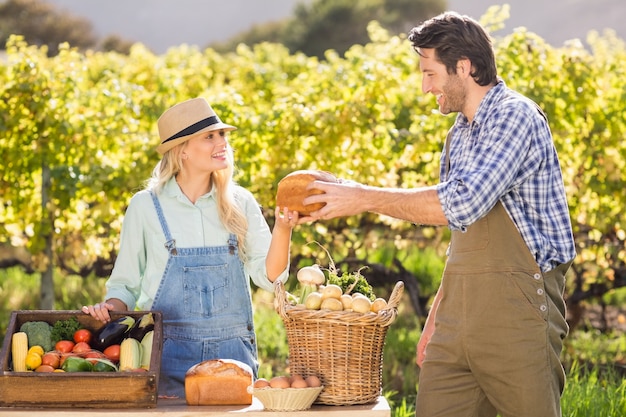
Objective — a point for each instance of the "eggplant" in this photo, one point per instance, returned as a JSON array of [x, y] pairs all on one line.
[[142, 326], [112, 333]]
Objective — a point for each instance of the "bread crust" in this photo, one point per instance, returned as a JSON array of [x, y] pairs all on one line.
[[292, 190], [218, 382]]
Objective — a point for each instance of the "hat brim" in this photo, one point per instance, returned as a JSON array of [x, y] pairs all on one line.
[[164, 147]]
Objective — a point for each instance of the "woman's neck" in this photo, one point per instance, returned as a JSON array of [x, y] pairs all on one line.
[[193, 186]]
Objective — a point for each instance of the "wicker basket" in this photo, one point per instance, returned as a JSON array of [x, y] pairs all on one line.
[[343, 348], [287, 399]]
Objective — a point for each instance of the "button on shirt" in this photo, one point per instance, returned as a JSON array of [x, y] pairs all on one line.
[[507, 154], [142, 255]]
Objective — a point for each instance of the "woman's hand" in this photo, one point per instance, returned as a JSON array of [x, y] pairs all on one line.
[[101, 310], [286, 218]]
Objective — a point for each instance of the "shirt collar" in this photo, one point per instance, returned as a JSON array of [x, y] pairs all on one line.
[[492, 97], [172, 189]]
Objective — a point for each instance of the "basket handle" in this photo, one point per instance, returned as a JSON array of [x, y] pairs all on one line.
[[396, 295], [280, 298]]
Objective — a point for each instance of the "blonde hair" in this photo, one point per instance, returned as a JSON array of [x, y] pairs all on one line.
[[230, 213]]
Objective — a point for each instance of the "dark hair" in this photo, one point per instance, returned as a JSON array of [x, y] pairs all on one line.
[[455, 37]]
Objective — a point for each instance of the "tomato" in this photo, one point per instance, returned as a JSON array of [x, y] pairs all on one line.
[[51, 358], [82, 335], [81, 347], [44, 368], [64, 346], [66, 355], [112, 353], [93, 356]]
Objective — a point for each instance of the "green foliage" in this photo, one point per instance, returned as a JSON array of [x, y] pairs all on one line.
[[64, 329], [595, 347], [271, 337], [594, 393], [313, 28], [78, 139], [352, 281]]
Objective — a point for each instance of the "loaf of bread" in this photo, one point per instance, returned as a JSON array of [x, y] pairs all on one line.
[[292, 190], [218, 382]]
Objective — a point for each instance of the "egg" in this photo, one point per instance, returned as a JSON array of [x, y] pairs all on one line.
[[299, 383], [280, 382], [261, 383], [313, 381]]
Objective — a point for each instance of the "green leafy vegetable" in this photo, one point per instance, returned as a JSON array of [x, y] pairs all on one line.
[[351, 283], [65, 329], [39, 334]]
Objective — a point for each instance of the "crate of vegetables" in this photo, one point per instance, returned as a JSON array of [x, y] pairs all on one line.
[[336, 329], [68, 359]]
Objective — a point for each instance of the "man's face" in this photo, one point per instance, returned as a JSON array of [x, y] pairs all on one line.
[[448, 89]]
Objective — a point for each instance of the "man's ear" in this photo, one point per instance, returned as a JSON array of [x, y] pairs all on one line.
[[464, 67]]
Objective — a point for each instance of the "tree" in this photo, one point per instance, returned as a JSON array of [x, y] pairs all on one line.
[[337, 24], [41, 24]]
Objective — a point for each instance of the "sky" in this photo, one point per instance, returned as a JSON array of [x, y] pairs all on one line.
[[161, 24]]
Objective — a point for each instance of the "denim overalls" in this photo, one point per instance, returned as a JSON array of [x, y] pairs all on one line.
[[205, 300]]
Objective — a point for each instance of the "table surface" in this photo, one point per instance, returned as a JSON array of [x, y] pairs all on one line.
[[178, 408]]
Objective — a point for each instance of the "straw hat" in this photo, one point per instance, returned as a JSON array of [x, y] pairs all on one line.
[[178, 123]]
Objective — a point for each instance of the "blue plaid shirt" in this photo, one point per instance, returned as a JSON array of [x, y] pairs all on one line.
[[507, 154]]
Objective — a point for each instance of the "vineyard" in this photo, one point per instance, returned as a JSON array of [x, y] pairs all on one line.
[[79, 137]]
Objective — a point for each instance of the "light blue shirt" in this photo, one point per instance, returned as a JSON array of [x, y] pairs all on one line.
[[142, 255]]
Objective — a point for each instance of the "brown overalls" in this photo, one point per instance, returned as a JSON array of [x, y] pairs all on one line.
[[499, 329]]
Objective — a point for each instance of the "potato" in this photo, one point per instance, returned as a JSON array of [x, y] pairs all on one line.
[[332, 304], [361, 305], [332, 291]]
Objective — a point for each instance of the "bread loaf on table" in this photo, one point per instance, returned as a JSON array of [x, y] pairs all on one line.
[[292, 190], [218, 382]]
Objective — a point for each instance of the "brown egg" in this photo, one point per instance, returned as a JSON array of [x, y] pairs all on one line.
[[280, 382], [295, 377], [313, 381], [299, 383], [261, 383]]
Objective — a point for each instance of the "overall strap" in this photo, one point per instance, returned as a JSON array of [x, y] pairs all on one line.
[[170, 243], [447, 147]]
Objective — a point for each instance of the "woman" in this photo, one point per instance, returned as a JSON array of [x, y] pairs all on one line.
[[189, 244]]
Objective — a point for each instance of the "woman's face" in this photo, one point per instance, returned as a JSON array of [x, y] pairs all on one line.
[[206, 152]]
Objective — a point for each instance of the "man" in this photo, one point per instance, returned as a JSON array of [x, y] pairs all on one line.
[[492, 341]]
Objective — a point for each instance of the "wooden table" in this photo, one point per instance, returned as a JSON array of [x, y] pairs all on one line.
[[178, 408]]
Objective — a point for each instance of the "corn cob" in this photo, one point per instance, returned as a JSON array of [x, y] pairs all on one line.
[[130, 354], [19, 350], [146, 349]]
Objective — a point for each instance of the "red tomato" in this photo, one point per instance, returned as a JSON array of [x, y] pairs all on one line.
[[82, 335], [112, 353], [66, 355], [64, 346], [51, 358], [93, 355], [81, 347]]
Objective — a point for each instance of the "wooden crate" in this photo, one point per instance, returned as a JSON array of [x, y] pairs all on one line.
[[78, 389]]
